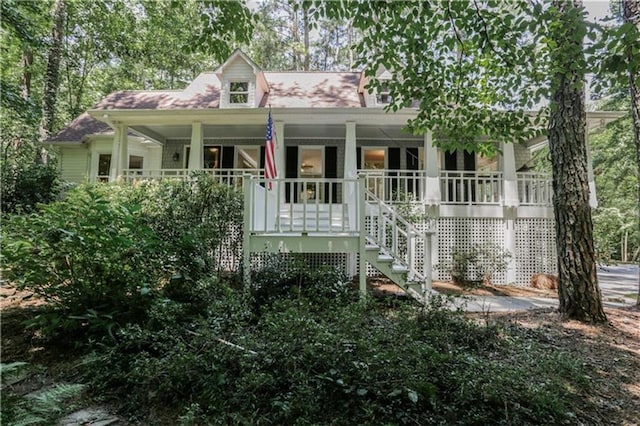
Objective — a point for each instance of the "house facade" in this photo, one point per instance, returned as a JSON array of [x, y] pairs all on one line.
[[344, 166]]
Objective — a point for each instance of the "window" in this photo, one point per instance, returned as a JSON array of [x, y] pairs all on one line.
[[211, 157], [248, 157], [104, 164], [238, 92], [384, 95], [311, 161]]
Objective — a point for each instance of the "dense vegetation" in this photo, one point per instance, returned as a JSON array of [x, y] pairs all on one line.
[[132, 283]]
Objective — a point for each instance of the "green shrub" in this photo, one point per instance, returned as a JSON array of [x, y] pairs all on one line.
[[93, 260], [26, 179], [476, 266], [343, 364], [282, 278], [196, 218]]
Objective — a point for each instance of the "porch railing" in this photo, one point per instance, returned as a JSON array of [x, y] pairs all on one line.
[[534, 189], [459, 187], [301, 205], [233, 177]]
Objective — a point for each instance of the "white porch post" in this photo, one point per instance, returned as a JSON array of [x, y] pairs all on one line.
[[279, 156], [593, 200], [119, 153], [432, 185], [195, 151], [509, 179], [511, 203], [349, 191], [432, 195]]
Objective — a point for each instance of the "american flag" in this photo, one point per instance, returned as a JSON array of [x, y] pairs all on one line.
[[270, 171]]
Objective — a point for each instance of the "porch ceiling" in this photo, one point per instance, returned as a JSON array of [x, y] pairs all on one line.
[[292, 131]]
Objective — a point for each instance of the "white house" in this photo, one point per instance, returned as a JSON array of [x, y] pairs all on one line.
[[345, 166]]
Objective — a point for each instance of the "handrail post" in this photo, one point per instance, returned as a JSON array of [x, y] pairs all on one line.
[[362, 262], [246, 231]]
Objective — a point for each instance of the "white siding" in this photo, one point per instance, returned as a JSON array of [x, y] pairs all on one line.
[[74, 164], [238, 70]]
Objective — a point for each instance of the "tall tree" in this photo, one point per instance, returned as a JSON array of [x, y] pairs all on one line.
[[631, 15], [578, 290], [52, 74]]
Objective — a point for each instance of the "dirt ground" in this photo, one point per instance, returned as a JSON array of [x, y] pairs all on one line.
[[612, 351]]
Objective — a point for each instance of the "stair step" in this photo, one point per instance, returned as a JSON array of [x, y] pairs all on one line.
[[401, 269], [372, 248], [385, 258]]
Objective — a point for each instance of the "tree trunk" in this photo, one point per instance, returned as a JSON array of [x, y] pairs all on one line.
[[52, 73], [305, 23], [27, 73], [631, 14], [578, 289]]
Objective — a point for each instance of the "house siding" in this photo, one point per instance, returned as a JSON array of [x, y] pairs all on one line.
[[74, 164]]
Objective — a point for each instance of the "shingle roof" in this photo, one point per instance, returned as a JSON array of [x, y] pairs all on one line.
[[286, 90], [82, 126], [313, 90]]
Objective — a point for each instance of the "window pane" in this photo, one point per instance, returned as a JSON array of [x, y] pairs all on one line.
[[239, 98], [311, 162], [135, 162], [374, 159], [239, 86], [248, 158], [211, 157], [104, 163]]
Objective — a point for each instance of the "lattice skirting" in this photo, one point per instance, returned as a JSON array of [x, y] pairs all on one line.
[[535, 247]]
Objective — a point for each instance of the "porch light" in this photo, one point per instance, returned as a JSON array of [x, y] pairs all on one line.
[[176, 156]]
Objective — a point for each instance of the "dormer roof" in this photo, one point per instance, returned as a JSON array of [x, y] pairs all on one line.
[[240, 55]]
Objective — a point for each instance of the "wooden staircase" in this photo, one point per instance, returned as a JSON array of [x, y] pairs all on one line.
[[388, 243]]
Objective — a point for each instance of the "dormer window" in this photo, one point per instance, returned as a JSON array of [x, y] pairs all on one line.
[[238, 92], [384, 95]]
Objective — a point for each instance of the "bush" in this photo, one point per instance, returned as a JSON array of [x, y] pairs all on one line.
[[284, 278], [344, 364], [476, 266], [91, 259], [197, 219], [26, 180]]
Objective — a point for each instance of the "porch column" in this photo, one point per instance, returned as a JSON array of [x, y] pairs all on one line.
[[509, 179], [119, 153], [279, 155], [510, 201], [349, 191], [593, 200], [195, 151], [432, 184], [432, 196]]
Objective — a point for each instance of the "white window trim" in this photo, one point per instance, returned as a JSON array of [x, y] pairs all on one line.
[[244, 92]]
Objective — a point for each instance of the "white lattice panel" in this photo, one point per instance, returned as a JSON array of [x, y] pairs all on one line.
[[292, 260], [535, 249], [465, 233]]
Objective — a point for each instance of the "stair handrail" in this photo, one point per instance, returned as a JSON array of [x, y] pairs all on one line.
[[410, 232]]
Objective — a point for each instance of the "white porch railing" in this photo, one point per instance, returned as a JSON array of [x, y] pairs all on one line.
[[393, 186], [458, 187], [233, 177], [398, 238], [302, 205], [534, 189]]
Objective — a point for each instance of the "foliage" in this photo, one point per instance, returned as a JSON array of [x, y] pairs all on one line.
[[91, 259], [196, 219], [26, 179], [101, 256], [282, 278], [344, 363], [475, 266], [43, 407], [476, 81]]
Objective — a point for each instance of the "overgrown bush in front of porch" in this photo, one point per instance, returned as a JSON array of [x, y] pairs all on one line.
[[105, 253]]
